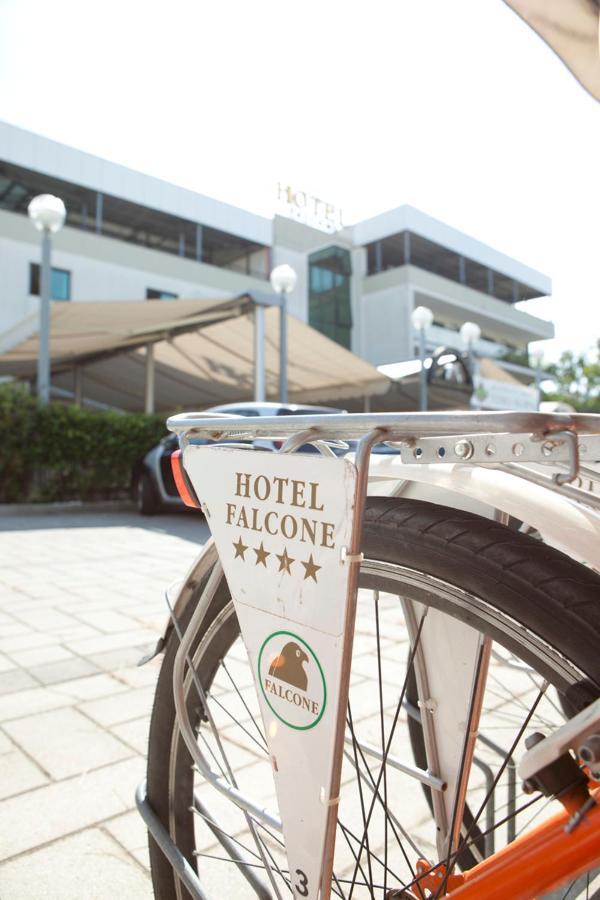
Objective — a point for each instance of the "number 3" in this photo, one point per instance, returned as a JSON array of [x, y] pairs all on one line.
[[302, 888]]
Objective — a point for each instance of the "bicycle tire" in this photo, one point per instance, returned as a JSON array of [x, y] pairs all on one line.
[[530, 598]]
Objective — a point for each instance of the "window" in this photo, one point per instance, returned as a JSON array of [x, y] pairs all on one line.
[[60, 282], [123, 220], [154, 294], [329, 294], [406, 248]]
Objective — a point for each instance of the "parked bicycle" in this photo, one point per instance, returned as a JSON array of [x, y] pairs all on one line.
[[381, 678]]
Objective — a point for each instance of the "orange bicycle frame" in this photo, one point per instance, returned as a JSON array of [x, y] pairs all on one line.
[[539, 861]]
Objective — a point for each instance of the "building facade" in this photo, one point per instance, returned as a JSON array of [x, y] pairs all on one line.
[[131, 236]]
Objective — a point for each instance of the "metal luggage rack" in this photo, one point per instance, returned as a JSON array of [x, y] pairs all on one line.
[[569, 443]]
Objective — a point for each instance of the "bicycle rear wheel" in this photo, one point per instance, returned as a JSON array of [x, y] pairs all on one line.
[[542, 611]]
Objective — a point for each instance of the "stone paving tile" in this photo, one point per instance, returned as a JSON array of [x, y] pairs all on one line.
[[90, 865], [55, 672], [80, 604], [45, 619], [123, 658], [6, 744], [108, 642], [64, 742], [129, 830], [20, 703], [19, 774], [90, 688], [134, 734], [121, 707], [65, 807], [15, 680], [107, 621], [5, 663], [38, 656], [26, 641]]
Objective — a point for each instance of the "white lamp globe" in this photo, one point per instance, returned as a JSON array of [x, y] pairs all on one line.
[[283, 279], [47, 212], [470, 332], [422, 317]]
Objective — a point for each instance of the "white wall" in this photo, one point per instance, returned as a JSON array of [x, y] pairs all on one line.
[[103, 269], [385, 325]]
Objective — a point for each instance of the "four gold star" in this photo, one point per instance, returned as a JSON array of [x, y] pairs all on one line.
[[240, 548], [311, 568], [261, 555], [285, 561]]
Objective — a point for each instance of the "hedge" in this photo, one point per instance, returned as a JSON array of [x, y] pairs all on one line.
[[59, 452]]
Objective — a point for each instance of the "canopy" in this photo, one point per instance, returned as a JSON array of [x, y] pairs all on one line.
[[571, 28], [82, 331], [203, 355]]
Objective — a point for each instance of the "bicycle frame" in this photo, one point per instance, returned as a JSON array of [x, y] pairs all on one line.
[[473, 443]]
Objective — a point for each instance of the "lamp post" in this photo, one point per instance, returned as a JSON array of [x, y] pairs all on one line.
[[283, 282], [422, 317], [470, 332], [48, 215]]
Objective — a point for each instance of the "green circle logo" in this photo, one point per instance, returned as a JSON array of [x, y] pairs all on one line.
[[291, 680]]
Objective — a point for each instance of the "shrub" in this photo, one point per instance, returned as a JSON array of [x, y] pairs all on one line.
[[59, 452]]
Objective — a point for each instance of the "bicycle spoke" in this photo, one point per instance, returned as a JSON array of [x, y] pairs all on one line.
[[238, 723], [391, 735], [203, 699], [247, 708], [451, 860], [382, 726], [360, 794]]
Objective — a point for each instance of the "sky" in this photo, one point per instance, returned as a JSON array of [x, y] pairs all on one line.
[[453, 106]]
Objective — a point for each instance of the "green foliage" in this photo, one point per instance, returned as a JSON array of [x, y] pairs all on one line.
[[577, 380], [520, 357], [61, 452]]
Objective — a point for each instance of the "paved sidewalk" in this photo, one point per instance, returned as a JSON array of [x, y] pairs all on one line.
[[81, 599]]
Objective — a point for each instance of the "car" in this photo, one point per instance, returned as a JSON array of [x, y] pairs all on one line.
[[153, 484]]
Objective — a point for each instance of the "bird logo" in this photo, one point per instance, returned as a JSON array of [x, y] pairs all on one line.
[[288, 666]]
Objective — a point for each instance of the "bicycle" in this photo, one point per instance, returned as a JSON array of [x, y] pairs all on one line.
[[398, 656]]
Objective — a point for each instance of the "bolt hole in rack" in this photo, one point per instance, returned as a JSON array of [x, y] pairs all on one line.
[[559, 452]]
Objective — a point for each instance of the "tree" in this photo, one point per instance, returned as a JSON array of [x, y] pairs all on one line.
[[577, 380]]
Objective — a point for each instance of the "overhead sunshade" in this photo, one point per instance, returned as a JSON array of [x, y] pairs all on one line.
[[198, 364], [80, 331], [571, 28]]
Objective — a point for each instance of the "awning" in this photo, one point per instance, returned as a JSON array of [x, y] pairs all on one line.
[[571, 28], [203, 355], [82, 331]]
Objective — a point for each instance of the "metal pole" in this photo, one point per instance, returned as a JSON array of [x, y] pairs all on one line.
[[260, 394], [283, 352], [43, 372], [472, 372], [538, 383], [423, 373], [149, 398]]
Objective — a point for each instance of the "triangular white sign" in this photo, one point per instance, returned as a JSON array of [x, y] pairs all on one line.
[[282, 524]]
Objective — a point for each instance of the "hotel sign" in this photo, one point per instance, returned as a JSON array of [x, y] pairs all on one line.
[[308, 209], [281, 523]]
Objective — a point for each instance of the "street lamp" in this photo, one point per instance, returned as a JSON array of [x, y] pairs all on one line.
[[48, 215], [422, 317], [470, 332], [283, 282]]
